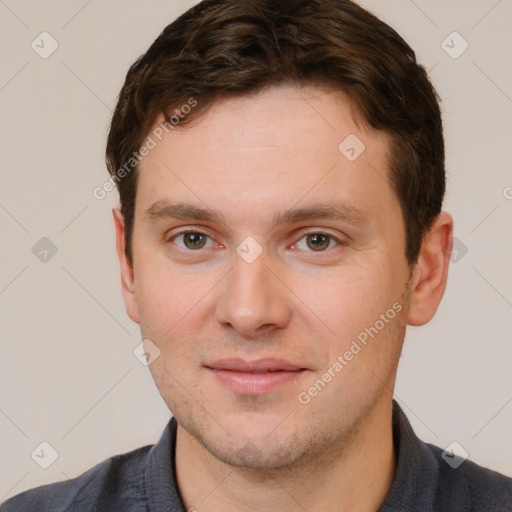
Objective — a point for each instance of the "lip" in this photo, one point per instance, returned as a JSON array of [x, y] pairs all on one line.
[[254, 377]]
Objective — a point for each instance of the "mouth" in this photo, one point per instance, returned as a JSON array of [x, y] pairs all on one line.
[[254, 377]]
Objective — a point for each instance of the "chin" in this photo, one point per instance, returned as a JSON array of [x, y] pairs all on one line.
[[259, 443], [257, 455]]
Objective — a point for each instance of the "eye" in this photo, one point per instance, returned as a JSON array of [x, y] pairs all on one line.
[[318, 242], [192, 240]]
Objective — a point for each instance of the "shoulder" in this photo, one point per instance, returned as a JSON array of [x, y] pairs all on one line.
[[118, 476], [482, 488], [428, 478]]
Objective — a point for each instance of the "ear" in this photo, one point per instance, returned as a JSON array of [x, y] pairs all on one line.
[[127, 274], [430, 272]]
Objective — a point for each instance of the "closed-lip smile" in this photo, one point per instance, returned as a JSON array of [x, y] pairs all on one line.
[[255, 377]]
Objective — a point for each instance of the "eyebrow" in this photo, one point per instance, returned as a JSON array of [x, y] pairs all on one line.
[[345, 212], [336, 211], [164, 209]]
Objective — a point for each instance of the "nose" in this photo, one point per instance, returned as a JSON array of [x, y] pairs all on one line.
[[253, 300]]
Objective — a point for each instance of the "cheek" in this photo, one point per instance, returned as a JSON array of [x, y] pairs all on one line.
[[164, 297], [366, 313], [175, 311], [365, 310], [349, 300]]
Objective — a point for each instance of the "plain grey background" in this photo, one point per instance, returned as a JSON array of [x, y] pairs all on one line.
[[68, 374]]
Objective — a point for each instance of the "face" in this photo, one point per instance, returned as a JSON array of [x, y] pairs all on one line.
[[269, 270]]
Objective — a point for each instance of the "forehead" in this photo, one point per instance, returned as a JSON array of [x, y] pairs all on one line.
[[277, 117], [281, 146]]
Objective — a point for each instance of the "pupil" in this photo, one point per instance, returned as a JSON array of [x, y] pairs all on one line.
[[318, 242], [194, 240]]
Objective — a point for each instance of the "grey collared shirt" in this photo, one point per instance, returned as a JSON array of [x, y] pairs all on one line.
[[144, 480]]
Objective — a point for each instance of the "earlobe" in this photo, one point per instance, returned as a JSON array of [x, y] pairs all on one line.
[[430, 272], [127, 273]]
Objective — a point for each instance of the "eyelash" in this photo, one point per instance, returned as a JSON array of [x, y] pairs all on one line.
[[303, 235], [321, 233], [194, 232]]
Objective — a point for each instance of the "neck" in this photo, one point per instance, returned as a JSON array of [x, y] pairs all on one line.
[[356, 475]]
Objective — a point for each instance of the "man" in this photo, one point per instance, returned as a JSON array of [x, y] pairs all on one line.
[[281, 176]]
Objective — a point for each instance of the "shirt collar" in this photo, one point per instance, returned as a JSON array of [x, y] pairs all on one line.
[[160, 484], [417, 472]]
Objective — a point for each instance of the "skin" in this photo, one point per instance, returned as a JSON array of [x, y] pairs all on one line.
[[250, 159]]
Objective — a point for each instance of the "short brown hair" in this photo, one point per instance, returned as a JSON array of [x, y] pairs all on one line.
[[227, 48]]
